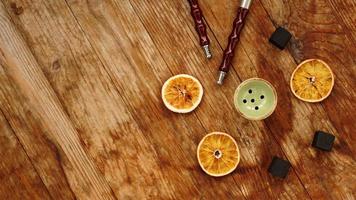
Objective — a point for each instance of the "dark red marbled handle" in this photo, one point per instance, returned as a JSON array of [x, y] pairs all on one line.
[[199, 24], [233, 39]]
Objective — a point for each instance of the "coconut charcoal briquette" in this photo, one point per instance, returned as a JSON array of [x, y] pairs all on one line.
[[280, 38], [323, 141], [279, 167]]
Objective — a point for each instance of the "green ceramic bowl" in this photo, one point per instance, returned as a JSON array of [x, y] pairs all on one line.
[[255, 99]]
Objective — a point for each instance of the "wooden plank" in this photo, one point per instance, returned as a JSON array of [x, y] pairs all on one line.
[[118, 148], [182, 174], [18, 178], [43, 128], [105, 129], [111, 18], [43, 154], [143, 150], [344, 12], [320, 34], [294, 122]]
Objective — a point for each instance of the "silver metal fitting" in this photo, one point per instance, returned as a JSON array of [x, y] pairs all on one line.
[[207, 51], [246, 4], [221, 78]]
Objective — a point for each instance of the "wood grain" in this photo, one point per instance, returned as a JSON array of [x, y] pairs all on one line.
[[80, 85], [29, 82], [292, 128], [19, 179], [181, 53], [100, 119], [320, 36], [344, 13], [101, 19]]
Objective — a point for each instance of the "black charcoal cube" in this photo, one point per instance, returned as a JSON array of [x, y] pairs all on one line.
[[280, 38], [279, 167], [323, 141]]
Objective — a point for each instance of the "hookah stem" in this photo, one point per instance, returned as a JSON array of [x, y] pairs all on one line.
[[200, 27], [234, 38]]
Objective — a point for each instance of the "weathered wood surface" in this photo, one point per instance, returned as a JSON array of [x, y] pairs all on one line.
[[81, 114], [19, 178], [294, 121]]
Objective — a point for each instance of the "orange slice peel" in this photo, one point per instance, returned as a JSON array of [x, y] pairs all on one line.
[[182, 93], [312, 81], [218, 154]]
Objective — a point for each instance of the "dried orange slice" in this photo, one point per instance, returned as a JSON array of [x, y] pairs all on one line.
[[218, 154], [182, 93], [312, 80]]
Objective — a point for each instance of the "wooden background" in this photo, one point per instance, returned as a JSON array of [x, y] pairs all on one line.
[[81, 115]]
